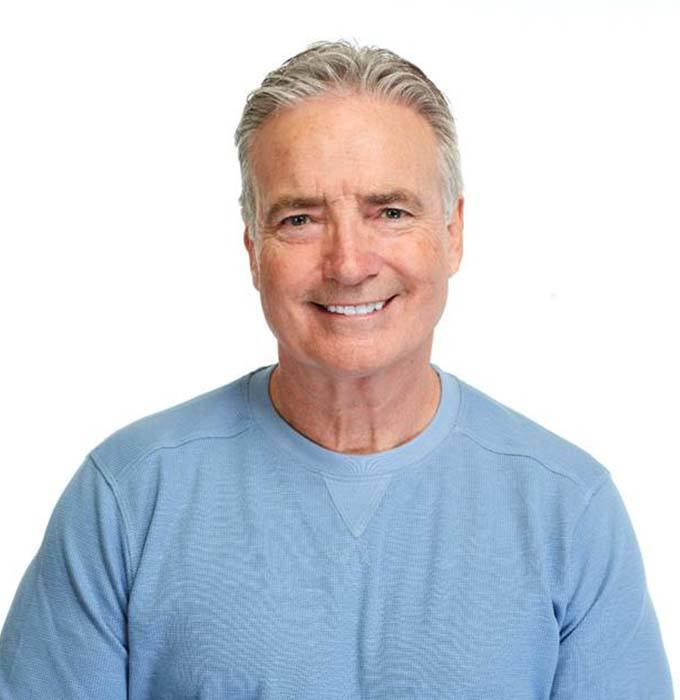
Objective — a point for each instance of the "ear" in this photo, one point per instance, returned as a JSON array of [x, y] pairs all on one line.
[[252, 257], [454, 238]]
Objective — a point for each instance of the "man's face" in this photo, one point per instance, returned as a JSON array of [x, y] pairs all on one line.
[[368, 226]]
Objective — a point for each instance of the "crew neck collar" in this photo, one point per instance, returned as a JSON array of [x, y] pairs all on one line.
[[321, 459]]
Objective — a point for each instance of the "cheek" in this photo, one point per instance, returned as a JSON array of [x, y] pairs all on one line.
[[288, 266], [284, 285], [424, 265]]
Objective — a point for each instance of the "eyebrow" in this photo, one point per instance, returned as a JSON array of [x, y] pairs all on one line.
[[287, 202]]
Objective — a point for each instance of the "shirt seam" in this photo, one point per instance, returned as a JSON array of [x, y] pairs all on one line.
[[590, 496], [112, 484], [560, 470], [526, 455], [179, 443]]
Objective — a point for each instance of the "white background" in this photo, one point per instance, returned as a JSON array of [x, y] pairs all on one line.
[[124, 282]]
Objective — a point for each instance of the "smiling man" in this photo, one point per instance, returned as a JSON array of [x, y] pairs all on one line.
[[352, 251], [352, 521]]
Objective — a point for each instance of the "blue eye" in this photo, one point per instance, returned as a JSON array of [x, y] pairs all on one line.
[[295, 218], [393, 210]]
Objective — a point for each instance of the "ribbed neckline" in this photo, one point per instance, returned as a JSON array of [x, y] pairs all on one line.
[[314, 456]]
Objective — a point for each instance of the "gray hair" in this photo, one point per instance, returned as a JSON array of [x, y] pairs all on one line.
[[332, 67]]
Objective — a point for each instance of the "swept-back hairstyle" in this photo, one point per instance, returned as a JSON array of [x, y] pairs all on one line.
[[342, 67]]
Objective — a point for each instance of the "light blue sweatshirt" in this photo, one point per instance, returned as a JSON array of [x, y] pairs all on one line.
[[211, 551]]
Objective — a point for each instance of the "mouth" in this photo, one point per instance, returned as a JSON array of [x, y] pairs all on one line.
[[354, 313]]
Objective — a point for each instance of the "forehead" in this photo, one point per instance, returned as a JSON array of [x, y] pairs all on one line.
[[338, 145]]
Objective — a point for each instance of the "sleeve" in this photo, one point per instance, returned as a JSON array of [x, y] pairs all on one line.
[[610, 643], [65, 634]]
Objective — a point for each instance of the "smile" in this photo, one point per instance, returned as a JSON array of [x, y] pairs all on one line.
[[357, 310]]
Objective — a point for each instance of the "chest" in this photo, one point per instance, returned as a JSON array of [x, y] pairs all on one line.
[[430, 601]]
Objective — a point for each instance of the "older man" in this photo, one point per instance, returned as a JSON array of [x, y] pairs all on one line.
[[353, 521]]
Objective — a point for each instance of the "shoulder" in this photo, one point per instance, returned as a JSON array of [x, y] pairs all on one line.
[[220, 413], [500, 430]]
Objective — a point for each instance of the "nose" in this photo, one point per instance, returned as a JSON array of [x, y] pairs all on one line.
[[350, 253]]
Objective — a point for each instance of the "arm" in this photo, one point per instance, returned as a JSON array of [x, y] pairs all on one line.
[[65, 634], [610, 643]]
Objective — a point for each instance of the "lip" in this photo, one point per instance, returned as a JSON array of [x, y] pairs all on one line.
[[354, 317]]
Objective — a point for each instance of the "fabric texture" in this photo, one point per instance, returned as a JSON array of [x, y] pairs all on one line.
[[211, 551]]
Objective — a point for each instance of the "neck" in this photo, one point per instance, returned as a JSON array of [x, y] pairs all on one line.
[[356, 415]]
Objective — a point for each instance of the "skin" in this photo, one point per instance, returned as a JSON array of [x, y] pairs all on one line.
[[351, 384]]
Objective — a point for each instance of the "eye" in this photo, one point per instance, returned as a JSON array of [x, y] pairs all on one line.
[[295, 219], [394, 213]]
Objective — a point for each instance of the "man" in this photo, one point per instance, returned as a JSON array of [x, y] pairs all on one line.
[[353, 521]]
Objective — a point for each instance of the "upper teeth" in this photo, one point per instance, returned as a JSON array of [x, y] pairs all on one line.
[[360, 309]]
